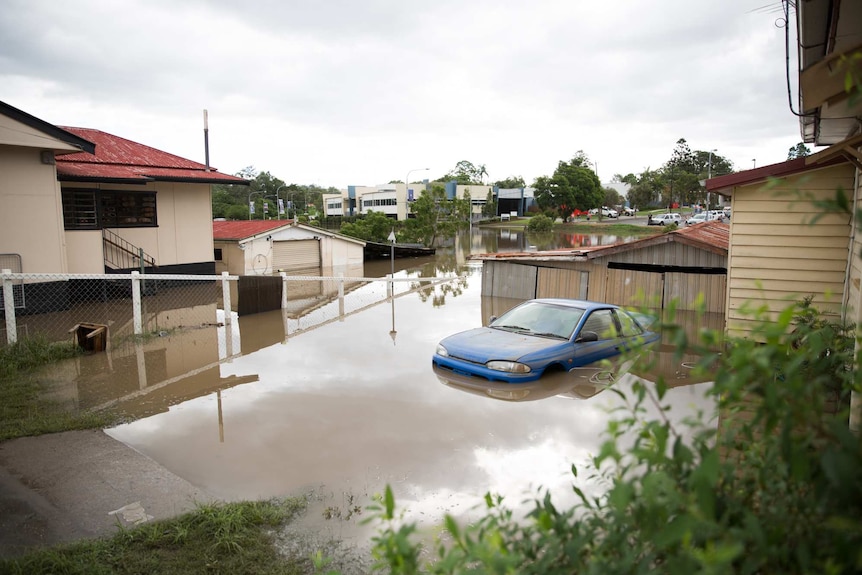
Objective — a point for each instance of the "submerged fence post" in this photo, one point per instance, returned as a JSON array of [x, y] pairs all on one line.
[[341, 295], [136, 303], [225, 292], [9, 308]]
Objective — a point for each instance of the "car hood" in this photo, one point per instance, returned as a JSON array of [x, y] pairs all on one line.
[[482, 344]]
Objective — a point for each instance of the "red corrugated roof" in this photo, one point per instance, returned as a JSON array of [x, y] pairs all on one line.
[[117, 158], [242, 229]]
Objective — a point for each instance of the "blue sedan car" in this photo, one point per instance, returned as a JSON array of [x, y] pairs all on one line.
[[541, 335]]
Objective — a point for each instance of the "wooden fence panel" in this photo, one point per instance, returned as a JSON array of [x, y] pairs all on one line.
[[258, 294]]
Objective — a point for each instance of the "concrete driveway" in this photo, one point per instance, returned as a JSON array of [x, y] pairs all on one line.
[[68, 486]]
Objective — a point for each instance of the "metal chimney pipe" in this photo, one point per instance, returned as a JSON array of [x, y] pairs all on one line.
[[206, 141]]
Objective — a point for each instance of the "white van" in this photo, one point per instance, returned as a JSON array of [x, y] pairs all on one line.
[[664, 219]]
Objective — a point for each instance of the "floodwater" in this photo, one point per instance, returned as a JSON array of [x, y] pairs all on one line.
[[338, 411]]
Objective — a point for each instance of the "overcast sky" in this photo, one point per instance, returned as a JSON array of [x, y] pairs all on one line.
[[339, 92]]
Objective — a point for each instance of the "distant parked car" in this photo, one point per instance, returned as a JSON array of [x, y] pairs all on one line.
[[609, 212], [629, 212], [664, 219], [696, 219], [717, 215]]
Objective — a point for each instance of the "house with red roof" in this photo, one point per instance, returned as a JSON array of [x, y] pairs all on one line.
[[264, 247], [79, 200]]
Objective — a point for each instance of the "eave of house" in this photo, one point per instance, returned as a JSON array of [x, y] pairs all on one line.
[[725, 185], [58, 140], [829, 31]]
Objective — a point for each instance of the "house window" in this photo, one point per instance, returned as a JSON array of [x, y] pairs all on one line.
[[217, 254], [98, 209]]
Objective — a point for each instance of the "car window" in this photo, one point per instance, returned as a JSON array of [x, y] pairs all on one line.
[[602, 322], [628, 326], [541, 317]]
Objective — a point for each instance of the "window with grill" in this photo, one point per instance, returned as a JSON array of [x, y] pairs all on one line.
[[98, 209], [79, 210]]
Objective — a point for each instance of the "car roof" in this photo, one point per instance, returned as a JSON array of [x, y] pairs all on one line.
[[577, 303]]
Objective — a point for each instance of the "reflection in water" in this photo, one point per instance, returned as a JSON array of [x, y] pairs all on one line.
[[491, 240], [579, 383]]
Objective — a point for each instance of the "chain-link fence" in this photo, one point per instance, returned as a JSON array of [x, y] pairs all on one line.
[[116, 307]]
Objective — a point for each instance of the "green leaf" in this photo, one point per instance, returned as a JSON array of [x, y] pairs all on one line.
[[621, 495], [389, 502]]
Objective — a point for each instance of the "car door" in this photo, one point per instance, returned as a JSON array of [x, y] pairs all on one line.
[[603, 323]]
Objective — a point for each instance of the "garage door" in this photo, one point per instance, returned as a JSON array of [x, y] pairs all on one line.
[[295, 255]]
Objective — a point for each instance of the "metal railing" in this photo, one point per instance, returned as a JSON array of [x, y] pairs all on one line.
[[123, 255]]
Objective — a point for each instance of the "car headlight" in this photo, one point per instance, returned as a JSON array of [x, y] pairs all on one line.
[[508, 366], [442, 351]]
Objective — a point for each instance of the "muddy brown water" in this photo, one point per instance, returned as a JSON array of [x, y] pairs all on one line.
[[338, 411]]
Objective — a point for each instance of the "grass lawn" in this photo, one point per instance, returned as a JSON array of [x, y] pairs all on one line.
[[23, 410], [232, 538]]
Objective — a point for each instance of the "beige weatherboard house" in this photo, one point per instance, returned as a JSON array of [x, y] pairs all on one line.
[[782, 248], [779, 250], [78, 200]]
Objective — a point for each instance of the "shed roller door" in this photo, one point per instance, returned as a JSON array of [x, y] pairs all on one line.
[[295, 255]]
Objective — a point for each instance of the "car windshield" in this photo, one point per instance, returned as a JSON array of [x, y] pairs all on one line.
[[540, 318]]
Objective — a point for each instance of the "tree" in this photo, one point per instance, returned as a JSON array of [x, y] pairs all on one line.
[[800, 150], [436, 216], [465, 173], [681, 175], [373, 227], [647, 189], [489, 210], [629, 179], [612, 197], [574, 185], [512, 182]]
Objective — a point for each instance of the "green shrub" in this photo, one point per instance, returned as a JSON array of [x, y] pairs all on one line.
[[540, 223]]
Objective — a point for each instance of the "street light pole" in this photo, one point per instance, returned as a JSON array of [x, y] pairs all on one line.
[[277, 207], [295, 211], [708, 176], [250, 208], [391, 239], [407, 179]]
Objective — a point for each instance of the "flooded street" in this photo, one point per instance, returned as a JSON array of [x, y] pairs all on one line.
[[342, 409]]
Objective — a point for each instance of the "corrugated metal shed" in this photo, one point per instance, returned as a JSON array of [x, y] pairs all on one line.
[[688, 265]]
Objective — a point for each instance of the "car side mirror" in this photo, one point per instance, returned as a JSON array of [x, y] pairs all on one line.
[[492, 319], [587, 336]]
